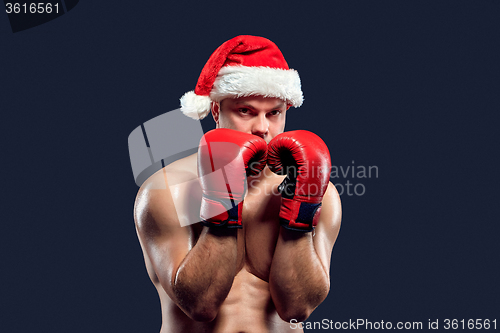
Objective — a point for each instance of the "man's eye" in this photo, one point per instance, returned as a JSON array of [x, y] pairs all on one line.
[[275, 112], [243, 110]]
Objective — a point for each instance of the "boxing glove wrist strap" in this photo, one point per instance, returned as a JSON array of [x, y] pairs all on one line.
[[299, 216], [220, 212]]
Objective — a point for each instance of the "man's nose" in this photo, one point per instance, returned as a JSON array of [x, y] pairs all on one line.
[[260, 126]]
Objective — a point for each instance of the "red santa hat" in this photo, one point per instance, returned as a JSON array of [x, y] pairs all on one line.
[[243, 66]]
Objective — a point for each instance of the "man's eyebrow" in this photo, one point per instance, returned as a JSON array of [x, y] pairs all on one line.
[[279, 105], [244, 103]]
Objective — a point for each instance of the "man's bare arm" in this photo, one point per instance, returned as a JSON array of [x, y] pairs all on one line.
[[300, 271], [196, 274]]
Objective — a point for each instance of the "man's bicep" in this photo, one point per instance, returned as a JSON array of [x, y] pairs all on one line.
[[164, 240], [328, 226]]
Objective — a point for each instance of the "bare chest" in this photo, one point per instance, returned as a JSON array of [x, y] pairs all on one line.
[[257, 239], [260, 226]]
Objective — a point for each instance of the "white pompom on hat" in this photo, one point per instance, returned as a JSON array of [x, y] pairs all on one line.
[[243, 66]]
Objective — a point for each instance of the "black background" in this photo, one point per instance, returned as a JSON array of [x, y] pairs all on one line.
[[409, 87]]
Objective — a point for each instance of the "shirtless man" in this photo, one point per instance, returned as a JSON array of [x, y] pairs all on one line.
[[253, 277]]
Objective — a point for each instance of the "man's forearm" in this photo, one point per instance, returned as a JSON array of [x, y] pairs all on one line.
[[298, 281], [205, 276]]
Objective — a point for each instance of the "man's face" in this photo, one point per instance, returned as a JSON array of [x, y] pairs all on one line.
[[261, 116]]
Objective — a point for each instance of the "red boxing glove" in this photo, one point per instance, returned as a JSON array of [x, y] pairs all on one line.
[[225, 158], [305, 160]]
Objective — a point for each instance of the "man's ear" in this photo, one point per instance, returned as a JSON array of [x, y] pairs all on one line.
[[215, 109]]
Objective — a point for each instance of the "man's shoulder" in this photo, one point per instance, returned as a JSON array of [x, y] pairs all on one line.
[[332, 206], [157, 196], [333, 195], [182, 170]]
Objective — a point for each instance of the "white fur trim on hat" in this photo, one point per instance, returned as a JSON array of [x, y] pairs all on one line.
[[195, 106], [241, 81]]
